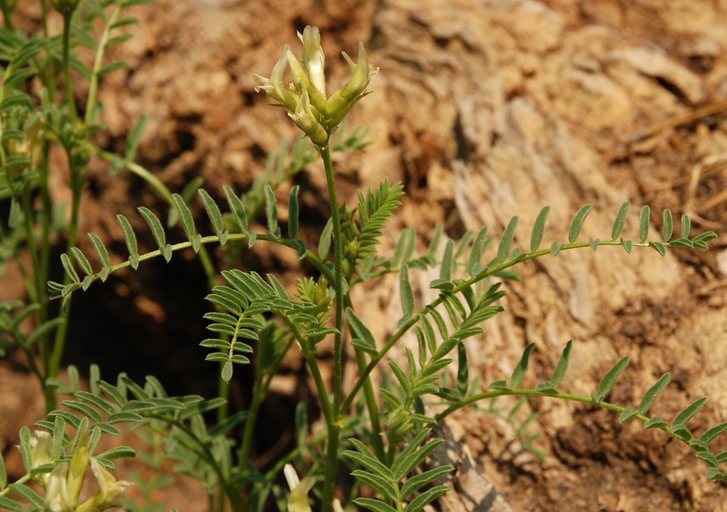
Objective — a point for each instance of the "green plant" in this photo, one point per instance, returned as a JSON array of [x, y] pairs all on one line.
[[255, 319]]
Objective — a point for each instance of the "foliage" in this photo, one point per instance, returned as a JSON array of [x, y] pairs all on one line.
[[384, 442]]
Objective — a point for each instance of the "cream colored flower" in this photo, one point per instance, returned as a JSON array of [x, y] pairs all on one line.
[[298, 497], [56, 492], [111, 489], [313, 57], [315, 113]]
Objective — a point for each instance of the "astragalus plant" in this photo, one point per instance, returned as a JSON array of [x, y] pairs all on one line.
[[380, 428]]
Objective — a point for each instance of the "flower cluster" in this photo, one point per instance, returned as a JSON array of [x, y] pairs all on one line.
[[315, 112], [64, 483]]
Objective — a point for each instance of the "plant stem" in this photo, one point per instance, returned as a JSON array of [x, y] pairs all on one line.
[[77, 180], [97, 64], [333, 427], [492, 393], [7, 14], [70, 99]]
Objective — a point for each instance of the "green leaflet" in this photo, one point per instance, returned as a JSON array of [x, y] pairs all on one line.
[[271, 211], [293, 212], [522, 367], [324, 244], [538, 229], [577, 222], [689, 412], [362, 337], [653, 393], [644, 224], [130, 239], [103, 254], [610, 379], [187, 222], [686, 226], [157, 230], [237, 208], [406, 293], [214, 215], [82, 261], [503, 250], [668, 227], [618, 224]]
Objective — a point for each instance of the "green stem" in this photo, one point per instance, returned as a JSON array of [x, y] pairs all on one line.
[[333, 427], [492, 393], [372, 407], [77, 179], [44, 16], [19, 481], [260, 390], [38, 290], [338, 277], [97, 65], [70, 99], [206, 454], [310, 357], [488, 272], [7, 14]]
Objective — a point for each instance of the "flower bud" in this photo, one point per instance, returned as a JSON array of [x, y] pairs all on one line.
[[306, 121], [313, 57], [341, 102]]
